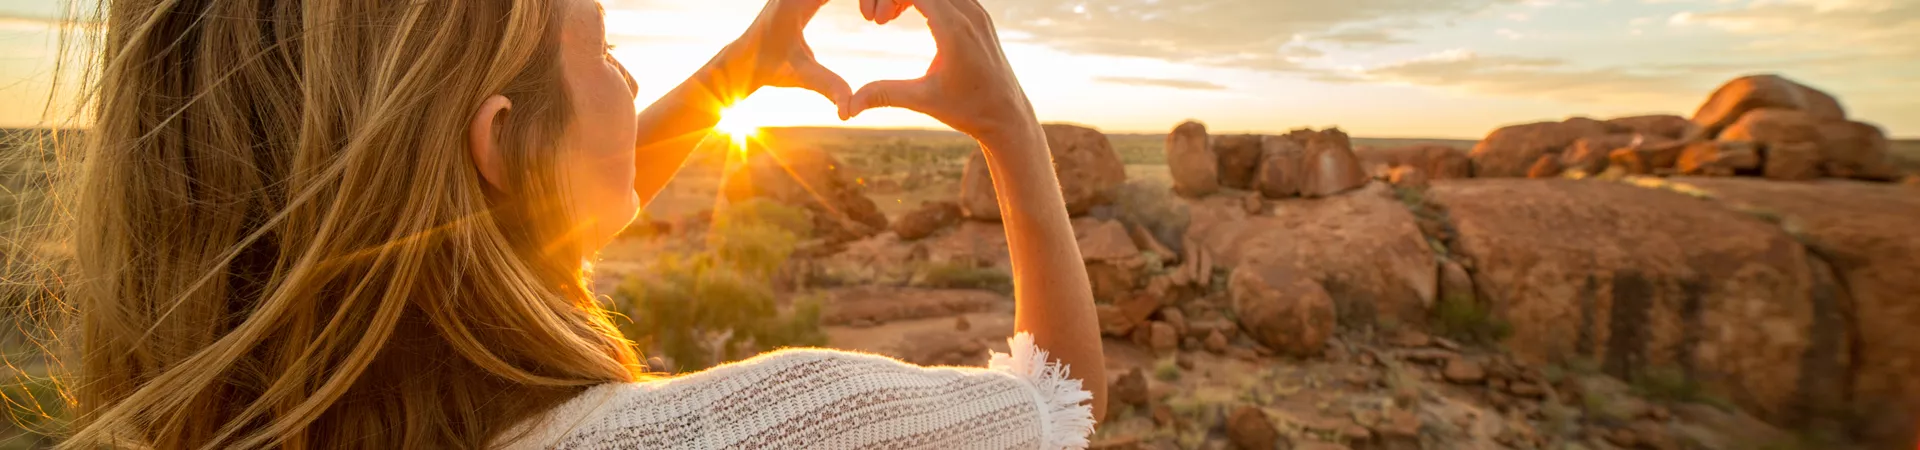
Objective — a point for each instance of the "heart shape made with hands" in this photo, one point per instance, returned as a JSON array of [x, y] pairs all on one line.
[[783, 24]]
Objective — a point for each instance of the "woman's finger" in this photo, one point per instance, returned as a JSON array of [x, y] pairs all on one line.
[[810, 75], [909, 94], [887, 10]]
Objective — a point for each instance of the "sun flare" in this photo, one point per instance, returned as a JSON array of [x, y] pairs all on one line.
[[738, 127]]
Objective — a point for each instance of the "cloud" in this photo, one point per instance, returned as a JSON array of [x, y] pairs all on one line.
[[1869, 28], [1538, 77], [1248, 34], [1174, 83]]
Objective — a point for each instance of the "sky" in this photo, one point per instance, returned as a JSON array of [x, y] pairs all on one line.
[[1377, 68]]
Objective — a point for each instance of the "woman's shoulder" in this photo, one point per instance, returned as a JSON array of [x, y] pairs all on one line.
[[815, 398]]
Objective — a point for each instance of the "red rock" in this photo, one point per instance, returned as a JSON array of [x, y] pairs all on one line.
[[1329, 166], [1173, 316], [1163, 416], [1089, 171], [1647, 158], [1130, 388], [1367, 241], [1282, 166], [1654, 267], [1455, 282], [1410, 339], [929, 219], [1196, 169], [1868, 251], [1462, 371], [1408, 177], [1163, 339], [1589, 154], [1773, 126], [1855, 150], [1665, 126], [1216, 342], [1748, 93], [812, 179], [1283, 310], [1547, 167], [1792, 162], [1239, 159], [1105, 241], [1253, 204], [1718, 158], [1145, 241], [1249, 429], [1511, 151], [1399, 424], [1438, 162]]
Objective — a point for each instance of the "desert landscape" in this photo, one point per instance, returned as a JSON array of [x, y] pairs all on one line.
[[1739, 278]]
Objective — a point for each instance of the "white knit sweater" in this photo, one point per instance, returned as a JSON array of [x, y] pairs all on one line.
[[831, 400]]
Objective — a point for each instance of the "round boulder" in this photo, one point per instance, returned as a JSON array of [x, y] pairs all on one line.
[[1512, 151], [1734, 99], [1286, 312], [1195, 168], [1239, 159], [1090, 173]]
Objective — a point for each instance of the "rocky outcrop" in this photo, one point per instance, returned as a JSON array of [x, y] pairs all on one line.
[[1662, 126], [1239, 159], [1439, 162], [1089, 170], [1196, 169], [812, 179], [1741, 95], [1511, 151], [1282, 309], [1364, 248], [1866, 233], [1281, 167], [1651, 284], [1329, 166], [929, 219], [1855, 150], [1718, 158]]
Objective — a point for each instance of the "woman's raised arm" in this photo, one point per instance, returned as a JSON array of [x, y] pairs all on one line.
[[971, 88], [772, 52]]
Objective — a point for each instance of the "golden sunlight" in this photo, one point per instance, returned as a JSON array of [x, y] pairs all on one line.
[[737, 126]]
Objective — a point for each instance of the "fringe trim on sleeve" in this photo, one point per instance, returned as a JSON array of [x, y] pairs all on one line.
[[1066, 421]]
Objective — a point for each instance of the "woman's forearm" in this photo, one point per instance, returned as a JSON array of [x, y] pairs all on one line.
[[675, 124], [1053, 298]]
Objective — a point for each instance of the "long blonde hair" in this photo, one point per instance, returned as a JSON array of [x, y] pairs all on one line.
[[280, 239]]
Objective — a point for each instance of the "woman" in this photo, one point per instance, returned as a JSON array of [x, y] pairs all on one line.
[[362, 224]]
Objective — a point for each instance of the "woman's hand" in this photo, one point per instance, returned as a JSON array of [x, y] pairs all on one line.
[[969, 87], [774, 52]]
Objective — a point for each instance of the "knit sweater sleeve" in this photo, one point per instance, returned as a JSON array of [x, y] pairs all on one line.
[[833, 400]]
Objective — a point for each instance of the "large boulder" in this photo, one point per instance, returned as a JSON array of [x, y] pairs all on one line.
[[929, 219], [811, 179], [1773, 126], [1282, 309], [1090, 173], [1364, 248], [1438, 162], [1589, 154], [1113, 260], [1748, 93], [1866, 233], [1647, 157], [1281, 167], [1239, 159], [1328, 166], [1195, 168], [1651, 283], [1511, 151], [1795, 161], [1665, 126], [1718, 158], [1855, 150]]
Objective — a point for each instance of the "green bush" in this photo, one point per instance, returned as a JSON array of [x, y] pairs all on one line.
[[1463, 318], [703, 309], [953, 275], [1151, 204]]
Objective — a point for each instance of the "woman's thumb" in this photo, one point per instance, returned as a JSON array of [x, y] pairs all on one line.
[[909, 94]]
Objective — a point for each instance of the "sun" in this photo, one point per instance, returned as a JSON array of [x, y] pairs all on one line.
[[738, 126]]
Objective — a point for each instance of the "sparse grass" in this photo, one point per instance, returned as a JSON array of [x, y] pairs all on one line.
[[1151, 204], [1465, 319], [1670, 384], [954, 275], [1166, 369]]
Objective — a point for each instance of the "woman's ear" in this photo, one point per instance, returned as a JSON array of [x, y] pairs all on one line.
[[483, 138]]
